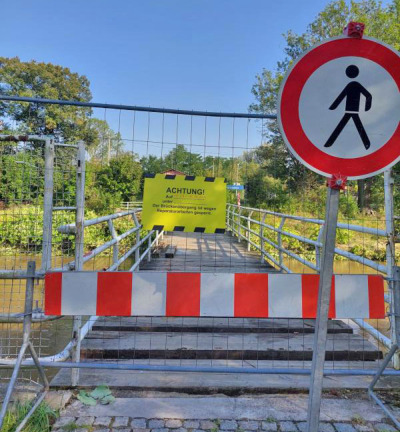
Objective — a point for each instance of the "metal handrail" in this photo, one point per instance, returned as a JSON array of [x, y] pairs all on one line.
[[234, 217], [236, 226]]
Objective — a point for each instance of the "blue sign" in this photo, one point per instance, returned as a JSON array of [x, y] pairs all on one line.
[[235, 187]]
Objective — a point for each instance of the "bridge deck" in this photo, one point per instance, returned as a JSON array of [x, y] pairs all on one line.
[[214, 342], [198, 252]]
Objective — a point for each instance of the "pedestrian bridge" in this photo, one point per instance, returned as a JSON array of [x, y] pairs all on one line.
[[255, 242]]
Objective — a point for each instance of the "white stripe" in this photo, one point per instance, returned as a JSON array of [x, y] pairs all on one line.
[[79, 293], [216, 294], [149, 293], [351, 296], [284, 296]]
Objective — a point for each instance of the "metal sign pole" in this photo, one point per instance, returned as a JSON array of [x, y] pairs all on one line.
[[324, 294]]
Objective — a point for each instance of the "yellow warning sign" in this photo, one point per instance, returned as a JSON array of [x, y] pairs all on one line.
[[184, 203]]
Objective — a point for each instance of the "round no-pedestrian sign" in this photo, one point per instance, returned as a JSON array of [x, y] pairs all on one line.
[[339, 107]]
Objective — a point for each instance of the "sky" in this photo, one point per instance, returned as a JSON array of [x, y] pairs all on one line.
[[183, 54], [188, 54]]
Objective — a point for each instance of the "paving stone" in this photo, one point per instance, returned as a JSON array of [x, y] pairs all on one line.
[[198, 430], [156, 424], [173, 424], [302, 427], [102, 421], [344, 427], [138, 423], [380, 427], [160, 430], [181, 429], [120, 422], [270, 426], [140, 430], [207, 424], [120, 430], [323, 427], [100, 430], [364, 428], [81, 430], [248, 425], [191, 424], [64, 421], [288, 426], [228, 425], [84, 421]]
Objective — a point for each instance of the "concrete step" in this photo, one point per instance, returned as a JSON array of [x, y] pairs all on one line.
[[231, 346], [215, 383], [215, 325]]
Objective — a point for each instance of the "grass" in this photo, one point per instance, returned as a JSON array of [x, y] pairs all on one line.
[[40, 421]]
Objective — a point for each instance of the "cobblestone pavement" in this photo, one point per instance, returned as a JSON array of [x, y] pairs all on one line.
[[129, 424]]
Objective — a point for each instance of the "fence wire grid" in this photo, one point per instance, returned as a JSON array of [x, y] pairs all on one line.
[[121, 146]]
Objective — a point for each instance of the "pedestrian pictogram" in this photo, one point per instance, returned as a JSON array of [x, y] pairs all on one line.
[[339, 107], [352, 94]]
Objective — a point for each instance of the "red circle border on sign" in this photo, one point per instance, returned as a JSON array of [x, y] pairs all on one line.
[[288, 108]]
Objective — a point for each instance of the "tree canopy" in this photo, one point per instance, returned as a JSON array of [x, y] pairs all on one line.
[[45, 80], [381, 21]]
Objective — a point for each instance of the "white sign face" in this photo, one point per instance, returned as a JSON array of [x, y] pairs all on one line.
[[339, 108], [379, 122]]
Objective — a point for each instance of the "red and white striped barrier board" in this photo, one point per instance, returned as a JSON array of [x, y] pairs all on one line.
[[256, 295]]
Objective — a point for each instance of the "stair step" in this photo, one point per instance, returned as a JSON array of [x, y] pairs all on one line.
[[215, 325], [234, 346]]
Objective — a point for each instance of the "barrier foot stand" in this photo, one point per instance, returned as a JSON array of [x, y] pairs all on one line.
[[26, 345], [392, 352]]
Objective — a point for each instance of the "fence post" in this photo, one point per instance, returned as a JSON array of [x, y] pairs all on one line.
[[262, 221], [79, 241], [26, 345], [149, 247], [390, 251], [49, 155], [279, 240], [239, 221], [318, 249], [248, 229], [392, 352], [321, 324], [137, 251], [115, 245]]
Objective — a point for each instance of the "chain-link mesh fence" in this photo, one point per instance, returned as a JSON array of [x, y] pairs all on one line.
[[122, 146]]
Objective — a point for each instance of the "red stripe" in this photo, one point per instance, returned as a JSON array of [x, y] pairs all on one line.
[[376, 294], [114, 294], [309, 285], [251, 295], [52, 293], [183, 294]]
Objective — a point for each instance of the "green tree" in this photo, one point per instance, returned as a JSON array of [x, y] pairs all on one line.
[[183, 160], [109, 185], [382, 22], [45, 80], [104, 142]]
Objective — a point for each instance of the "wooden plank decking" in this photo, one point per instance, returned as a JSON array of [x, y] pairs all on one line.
[[199, 252]]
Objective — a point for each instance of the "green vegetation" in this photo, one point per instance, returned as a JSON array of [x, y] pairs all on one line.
[[273, 179], [382, 22], [101, 394], [41, 419]]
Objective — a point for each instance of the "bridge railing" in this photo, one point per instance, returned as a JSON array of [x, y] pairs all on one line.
[[242, 223], [149, 239]]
